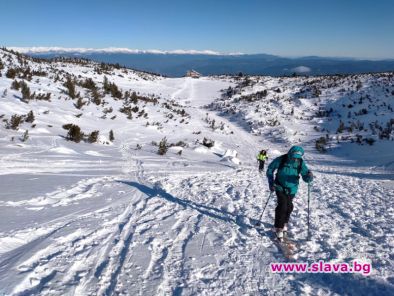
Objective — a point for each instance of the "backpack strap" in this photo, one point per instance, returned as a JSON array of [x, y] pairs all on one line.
[[300, 166], [283, 160]]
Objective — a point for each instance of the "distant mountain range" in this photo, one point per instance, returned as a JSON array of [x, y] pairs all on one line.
[[176, 63]]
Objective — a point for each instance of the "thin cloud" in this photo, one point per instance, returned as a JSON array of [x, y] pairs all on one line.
[[301, 69]]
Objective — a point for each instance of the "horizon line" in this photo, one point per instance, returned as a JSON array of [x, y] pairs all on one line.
[[125, 50]]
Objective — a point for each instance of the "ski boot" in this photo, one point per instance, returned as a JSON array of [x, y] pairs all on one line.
[[279, 234]]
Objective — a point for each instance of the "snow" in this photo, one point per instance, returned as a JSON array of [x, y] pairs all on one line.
[[117, 218], [63, 150], [95, 153], [231, 155]]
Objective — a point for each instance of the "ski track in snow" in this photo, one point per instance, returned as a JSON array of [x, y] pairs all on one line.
[[86, 188], [103, 260], [174, 232], [197, 233]]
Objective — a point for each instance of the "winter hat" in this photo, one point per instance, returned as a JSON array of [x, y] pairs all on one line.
[[296, 152]]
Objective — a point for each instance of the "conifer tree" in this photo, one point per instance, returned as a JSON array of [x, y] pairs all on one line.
[[30, 117], [111, 135], [70, 85]]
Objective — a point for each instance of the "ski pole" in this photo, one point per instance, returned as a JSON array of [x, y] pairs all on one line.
[[269, 197], [309, 197]]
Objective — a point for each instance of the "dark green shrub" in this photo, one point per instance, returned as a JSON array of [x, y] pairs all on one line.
[[15, 121], [67, 126], [341, 127], [93, 137], [208, 143], [26, 95], [320, 144], [11, 73], [70, 85], [369, 141], [163, 147], [43, 97], [15, 85], [96, 96], [30, 117], [89, 84], [74, 133]]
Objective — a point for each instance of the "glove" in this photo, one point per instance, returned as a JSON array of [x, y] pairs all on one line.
[[310, 176], [271, 184]]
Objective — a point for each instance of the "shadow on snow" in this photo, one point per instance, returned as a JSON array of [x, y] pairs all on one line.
[[209, 211], [345, 284]]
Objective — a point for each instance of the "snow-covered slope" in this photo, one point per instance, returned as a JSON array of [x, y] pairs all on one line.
[[116, 218]]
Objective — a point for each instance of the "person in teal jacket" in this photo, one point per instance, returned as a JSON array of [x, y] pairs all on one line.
[[288, 168]]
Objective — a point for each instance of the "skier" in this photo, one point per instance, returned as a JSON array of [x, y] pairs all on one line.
[[261, 158], [288, 169]]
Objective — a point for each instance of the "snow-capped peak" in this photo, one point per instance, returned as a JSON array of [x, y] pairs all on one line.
[[55, 49]]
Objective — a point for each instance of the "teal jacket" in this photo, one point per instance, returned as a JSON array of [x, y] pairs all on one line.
[[287, 178]]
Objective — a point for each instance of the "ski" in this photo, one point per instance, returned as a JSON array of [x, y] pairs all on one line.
[[290, 243], [287, 247]]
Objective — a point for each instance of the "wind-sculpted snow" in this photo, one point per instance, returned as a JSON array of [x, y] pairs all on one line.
[[120, 219]]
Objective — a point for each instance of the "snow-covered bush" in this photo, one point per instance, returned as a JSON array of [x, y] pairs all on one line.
[[80, 103], [127, 110], [25, 136], [163, 146]]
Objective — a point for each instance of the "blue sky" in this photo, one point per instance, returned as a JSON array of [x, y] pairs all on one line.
[[347, 28]]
